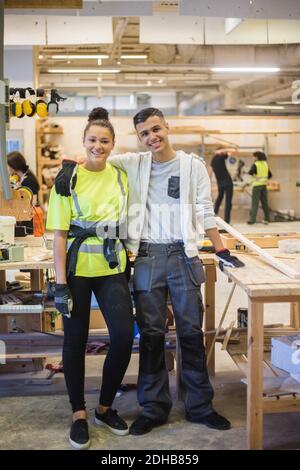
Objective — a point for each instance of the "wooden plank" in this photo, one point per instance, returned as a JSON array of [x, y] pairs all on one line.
[[279, 265], [295, 314], [263, 240], [255, 376], [281, 404], [241, 361], [19, 206], [37, 279], [2, 282], [227, 336], [209, 317], [44, 4]]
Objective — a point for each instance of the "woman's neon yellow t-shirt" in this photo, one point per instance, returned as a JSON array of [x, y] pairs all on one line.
[[100, 199]]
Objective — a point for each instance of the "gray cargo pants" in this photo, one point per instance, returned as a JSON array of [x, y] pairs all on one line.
[[162, 269]]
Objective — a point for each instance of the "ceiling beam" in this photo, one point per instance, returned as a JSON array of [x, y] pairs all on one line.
[[45, 4], [119, 31]]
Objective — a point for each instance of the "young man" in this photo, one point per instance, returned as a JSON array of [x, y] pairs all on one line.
[[169, 208]]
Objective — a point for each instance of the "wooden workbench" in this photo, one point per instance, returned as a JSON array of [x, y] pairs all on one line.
[[264, 284], [36, 275]]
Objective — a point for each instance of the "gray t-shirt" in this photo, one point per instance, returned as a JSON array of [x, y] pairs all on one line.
[[162, 217]]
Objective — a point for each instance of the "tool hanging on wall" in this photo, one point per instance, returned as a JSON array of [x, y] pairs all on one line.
[[41, 104], [55, 98], [22, 102], [29, 107], [16, 108]]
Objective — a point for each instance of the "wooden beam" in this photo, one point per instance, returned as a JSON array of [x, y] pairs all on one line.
[[279, 265], [281, 405], [44, 4], [255, 376]]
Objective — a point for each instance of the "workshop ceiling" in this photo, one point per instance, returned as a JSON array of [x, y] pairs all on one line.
[[165, 47]]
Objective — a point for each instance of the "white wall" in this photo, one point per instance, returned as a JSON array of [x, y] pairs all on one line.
[[27, 125]]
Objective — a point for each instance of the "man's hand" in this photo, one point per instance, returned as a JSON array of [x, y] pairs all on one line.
[[66, 179], [226, 259], [63, 300]]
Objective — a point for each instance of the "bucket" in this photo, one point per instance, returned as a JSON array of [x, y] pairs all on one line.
[[7, 229]]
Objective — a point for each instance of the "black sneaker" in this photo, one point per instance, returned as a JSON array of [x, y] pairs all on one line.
[[112, 421], [143, 425], [213, 421], [79, 435]]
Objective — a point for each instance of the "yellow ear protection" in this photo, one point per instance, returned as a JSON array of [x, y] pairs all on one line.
[[25, 192], [41, 105], [29, 107], [53, 103], [16, 107]]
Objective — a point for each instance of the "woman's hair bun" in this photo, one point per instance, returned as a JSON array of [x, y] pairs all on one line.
[[98, 113]]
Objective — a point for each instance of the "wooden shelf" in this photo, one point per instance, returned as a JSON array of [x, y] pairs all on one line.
[[58, 130], [49, 162]]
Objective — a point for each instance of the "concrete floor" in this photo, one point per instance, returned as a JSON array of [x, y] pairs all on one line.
[[38, 416]]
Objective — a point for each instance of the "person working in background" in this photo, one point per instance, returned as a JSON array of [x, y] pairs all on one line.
[[224, 181], [260, 174], [22, 177]]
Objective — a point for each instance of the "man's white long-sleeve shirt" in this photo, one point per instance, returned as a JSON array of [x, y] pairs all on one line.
[[196, 207]]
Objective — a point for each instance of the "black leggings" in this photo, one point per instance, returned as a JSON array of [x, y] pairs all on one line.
[[114, 300]]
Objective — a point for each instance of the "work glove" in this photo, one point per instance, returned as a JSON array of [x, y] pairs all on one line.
[[226, 259], [66, 179], [63, 300]]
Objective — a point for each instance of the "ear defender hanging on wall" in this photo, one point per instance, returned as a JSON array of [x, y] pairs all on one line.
[[29, 107], [41, 105], [16, 107], [53, 103]]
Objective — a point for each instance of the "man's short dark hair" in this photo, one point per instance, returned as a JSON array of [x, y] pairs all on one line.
[[145, 113]]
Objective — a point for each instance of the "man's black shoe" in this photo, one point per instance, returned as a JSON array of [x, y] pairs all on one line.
[[213, 420], [79, 435], [143, 425]]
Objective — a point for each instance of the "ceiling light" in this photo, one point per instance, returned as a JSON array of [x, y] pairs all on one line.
[[134, 56], [263, 106], [83, 70], [41, 56], [246, 69], [80, 56]]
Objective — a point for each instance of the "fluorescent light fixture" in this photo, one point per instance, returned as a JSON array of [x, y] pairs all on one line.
[[263, 106], [83, 70], [246, 69], [134, 56], [80, 56]]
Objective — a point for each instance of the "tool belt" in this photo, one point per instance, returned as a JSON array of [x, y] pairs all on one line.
[[109, 251]]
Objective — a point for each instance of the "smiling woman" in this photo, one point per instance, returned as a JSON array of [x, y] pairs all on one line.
[[90, 257]]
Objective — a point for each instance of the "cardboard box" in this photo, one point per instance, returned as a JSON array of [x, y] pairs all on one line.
[[285, 353]]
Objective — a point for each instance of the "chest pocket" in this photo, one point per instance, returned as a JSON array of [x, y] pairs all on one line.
[[173, 187]]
